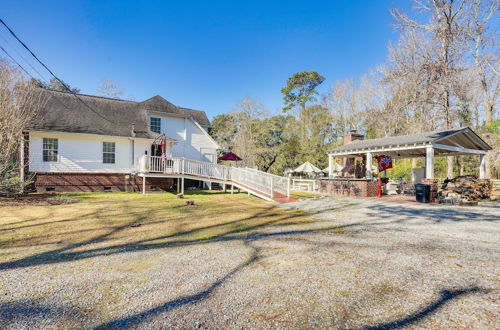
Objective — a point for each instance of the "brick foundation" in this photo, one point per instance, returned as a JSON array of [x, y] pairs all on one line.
[[356, 188], [98, 182]]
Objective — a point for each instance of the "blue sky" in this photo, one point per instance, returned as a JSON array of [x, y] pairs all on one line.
[[206, 55]]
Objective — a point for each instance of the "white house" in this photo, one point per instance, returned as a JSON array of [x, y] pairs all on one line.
[[91, 143]]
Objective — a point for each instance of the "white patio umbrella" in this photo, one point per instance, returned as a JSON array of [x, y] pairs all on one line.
[[307, 168]]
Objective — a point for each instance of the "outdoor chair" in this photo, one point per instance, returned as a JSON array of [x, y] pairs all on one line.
[[356, 190], [336, 188], [408, 189], [346, 188]]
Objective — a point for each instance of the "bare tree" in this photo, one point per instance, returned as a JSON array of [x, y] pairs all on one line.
[[111, 89], [483, 48], [344, 106], [446, 28], [19, 104], [247, 115]]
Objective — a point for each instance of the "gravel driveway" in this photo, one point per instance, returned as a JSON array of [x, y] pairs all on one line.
[[356, 264]]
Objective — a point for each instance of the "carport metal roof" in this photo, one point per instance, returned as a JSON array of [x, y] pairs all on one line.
[[445, 143]]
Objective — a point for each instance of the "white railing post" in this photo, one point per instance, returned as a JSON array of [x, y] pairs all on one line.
[[288, 187], [182, 165], [272, 187]]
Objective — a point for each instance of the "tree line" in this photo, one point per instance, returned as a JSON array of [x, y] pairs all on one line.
[[441, 74]]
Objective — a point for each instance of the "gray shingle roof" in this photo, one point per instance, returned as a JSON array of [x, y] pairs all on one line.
[[420, 138], [159, 104], [106, 116]]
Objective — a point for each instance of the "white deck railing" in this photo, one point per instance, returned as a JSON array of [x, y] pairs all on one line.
[[259, 181], [305, 185]]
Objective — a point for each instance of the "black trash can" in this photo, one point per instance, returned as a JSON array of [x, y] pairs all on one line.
[[423, 193]]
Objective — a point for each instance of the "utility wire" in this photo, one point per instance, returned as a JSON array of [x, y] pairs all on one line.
[[14, 60], [22, 57], [29, 74], [52, 73]]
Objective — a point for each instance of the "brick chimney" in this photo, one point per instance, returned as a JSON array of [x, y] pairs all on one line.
[[353, 135]]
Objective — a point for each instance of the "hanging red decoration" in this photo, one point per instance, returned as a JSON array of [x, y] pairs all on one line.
[[384, 162]]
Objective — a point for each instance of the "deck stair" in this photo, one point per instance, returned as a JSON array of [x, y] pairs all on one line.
[[261, 184]]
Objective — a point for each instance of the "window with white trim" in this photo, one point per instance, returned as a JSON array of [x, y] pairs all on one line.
[[50, 149], [155, 124], [108, 152]]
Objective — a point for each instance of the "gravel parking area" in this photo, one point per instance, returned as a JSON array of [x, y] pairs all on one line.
[[357, 264]]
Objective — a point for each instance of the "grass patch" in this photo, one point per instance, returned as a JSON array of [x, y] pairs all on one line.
[[303, 194], [337, 230], [343, 293], [103, 223]]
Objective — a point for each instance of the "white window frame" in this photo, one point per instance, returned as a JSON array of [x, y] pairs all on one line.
[[108, 152], [50, 149], [151, 124]]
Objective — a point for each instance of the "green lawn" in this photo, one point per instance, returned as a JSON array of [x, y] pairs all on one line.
[[107, 222]]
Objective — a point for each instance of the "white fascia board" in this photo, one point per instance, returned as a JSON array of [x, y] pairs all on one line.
[[168, 114], [378, 150], [458, 149]]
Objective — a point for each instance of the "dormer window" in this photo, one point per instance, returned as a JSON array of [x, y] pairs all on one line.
[[155, 124]]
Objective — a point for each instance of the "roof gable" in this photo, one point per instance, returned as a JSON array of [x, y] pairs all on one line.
[[65, 112], [160, 105]]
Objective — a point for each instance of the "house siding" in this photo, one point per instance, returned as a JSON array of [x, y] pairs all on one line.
[[83, 153], [193, 142]]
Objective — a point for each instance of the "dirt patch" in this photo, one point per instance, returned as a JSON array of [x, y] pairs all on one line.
[[37, 199]]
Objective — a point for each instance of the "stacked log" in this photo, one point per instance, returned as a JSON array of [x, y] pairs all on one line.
[[433, 183], [467, 187], [495, 190]]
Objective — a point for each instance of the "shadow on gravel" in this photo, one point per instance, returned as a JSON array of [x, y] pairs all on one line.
[[446, 296], [26, 311], [435, 215], [136, 319]]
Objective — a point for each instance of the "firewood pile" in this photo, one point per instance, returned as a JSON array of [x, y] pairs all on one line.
[[433, 183], [467, 187]]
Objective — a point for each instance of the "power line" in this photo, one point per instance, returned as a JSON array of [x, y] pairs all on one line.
[[13, 59], [52, 73], [29, 74], [22, 57]]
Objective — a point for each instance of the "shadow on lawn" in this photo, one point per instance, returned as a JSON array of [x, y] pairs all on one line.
[[247, 234], [241, 231]]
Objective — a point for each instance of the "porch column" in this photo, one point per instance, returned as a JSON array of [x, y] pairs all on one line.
[[482, 166], [182, 186], [178, 185], [330, 165], [21, 157], [232, 189], [143, 184], [429, 163], [369, 161]]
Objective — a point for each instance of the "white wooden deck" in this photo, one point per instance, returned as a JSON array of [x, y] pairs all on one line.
[[261, 184]]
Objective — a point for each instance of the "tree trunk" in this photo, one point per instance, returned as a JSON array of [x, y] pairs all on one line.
[[460, 163], [449, 167], [414, 163]]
